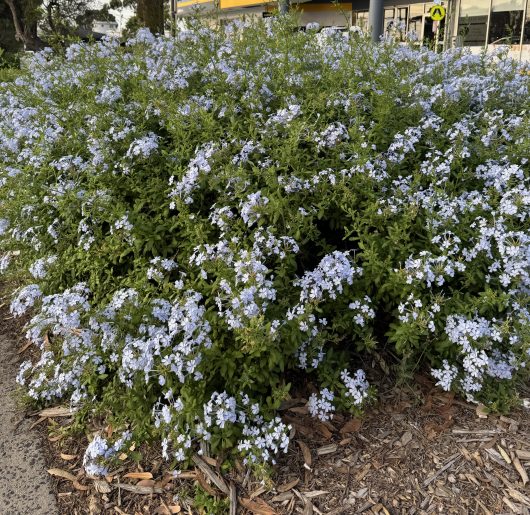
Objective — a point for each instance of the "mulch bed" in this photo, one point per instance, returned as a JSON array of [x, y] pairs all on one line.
[[417, 451]]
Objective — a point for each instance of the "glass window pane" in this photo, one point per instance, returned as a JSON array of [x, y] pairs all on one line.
[[507, 5], [389, 19], [472, 29], [505, 27], [474, 8], [473, 21], [506, 21], [360, 19]]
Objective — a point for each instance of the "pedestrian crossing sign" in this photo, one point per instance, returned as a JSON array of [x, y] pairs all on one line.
[[437, 12]]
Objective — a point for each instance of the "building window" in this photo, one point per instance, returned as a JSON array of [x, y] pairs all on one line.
[[416, 20], [506, 21], [389, 19], [360, 19], [473, 21], [402, 19]]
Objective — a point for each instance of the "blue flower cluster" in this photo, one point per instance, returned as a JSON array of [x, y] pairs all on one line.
[[197, 220]]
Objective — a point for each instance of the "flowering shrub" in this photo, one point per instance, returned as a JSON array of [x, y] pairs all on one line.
[[201, 219]]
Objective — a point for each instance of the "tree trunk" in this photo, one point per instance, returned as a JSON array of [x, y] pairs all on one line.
[[25, 31], [150, 14]]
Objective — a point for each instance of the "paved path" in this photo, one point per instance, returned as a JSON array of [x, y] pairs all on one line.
[[24, 483]]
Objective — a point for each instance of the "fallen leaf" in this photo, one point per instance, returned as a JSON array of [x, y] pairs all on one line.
[[287, 486], [510, 505], [306, 452], [61, 473], [472, 478], [257, 506], [308, 508], [211, 461], [523, 455], [258, 492], [58, 411], [351, 426], [323, 430], [78, 486], [362, 473], [139, 475], [285, 496], [175, 508], [24, 347], [122, 456], [147, 482], [518, 496], [68, 457]]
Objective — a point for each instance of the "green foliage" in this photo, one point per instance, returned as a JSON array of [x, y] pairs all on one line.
[[8, 74], [216, 217]]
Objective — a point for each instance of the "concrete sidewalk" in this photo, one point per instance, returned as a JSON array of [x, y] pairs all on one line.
[[25, 487]]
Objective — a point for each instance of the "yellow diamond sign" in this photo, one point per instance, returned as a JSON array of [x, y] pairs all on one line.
[[437, 12]]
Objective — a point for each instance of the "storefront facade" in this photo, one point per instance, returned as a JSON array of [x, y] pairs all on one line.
[[479, 24]]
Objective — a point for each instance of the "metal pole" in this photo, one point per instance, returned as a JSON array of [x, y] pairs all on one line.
[[376, 19]]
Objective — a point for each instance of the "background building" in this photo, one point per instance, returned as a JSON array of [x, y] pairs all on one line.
[[477, 24]]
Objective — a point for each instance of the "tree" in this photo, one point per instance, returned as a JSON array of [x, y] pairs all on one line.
[[70, 18], [150, 14], [8, 41], [25, 15], [57, 20]]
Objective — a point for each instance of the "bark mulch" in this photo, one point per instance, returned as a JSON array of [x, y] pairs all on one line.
[[417, 451]]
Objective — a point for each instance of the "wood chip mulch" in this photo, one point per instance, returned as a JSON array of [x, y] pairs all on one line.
[[418, 451]]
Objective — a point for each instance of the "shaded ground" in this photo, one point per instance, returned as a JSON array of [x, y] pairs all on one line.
[[25, 487]]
